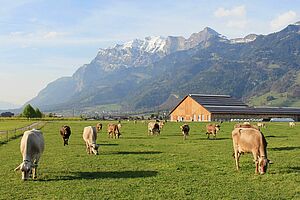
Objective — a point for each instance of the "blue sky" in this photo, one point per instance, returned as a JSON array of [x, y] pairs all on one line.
[[41, 40]]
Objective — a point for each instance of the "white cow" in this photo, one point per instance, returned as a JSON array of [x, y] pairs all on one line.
[[32, 147], [90, 137], [292, 124]]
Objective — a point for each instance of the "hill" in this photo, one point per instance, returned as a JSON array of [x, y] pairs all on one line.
[[143, 75]]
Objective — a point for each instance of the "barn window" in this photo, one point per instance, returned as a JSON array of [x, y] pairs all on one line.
[[202, 118]]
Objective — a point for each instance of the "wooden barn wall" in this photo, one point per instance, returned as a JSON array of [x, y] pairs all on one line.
[[190, 110]]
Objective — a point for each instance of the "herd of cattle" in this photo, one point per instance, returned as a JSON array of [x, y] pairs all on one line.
[[246, 137]]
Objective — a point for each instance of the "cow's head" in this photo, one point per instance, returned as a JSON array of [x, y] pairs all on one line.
[[94, 148], [263, 164], [218, 127], [26, 168]]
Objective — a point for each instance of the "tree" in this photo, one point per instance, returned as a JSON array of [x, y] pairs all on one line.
[[38, 113], [29, 111]]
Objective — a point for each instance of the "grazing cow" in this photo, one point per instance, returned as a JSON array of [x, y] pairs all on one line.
[[90, 136], [250, 140], [292, 124], [212, 129], [185, 130], [153, 128], [113, 131], [261, 125], [99, 126], [32, 147], [65, 132]]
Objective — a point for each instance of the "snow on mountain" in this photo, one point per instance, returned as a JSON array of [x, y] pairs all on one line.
[[248, 38], [150, 44]]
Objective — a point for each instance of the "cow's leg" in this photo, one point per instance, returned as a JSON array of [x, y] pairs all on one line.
[[35, 165], [87, 147], [236, 157], [255, 156], [207, 135]]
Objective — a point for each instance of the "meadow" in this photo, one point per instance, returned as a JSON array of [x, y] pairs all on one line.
[[138, 166]]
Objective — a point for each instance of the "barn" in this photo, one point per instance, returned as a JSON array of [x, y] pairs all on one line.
[[203, 107]]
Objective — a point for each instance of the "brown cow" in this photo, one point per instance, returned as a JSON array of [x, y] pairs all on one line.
[[99, 126], [212, 129], [32, 147], [65, 132], [153, 128], [113, 131], [250, 140], [185, 130]]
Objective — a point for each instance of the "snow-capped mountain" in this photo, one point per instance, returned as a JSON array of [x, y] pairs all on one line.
[[142, 73], [142, 52]]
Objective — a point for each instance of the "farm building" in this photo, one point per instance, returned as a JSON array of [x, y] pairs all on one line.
[[200, 107]]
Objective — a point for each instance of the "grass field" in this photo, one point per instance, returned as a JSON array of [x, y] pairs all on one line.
[[138, 166]]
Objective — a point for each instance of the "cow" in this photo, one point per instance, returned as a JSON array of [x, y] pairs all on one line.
[[90, 136], [250, 140], [212, 129], [65, 132], [153, 128], [32, 146], [113, 131], [292, 124], [185, 130], [261, 125], [99, 127]]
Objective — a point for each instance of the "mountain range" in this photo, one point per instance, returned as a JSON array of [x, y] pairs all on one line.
[[155, 72]]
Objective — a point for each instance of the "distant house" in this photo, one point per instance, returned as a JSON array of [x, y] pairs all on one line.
[[202, 107], [7, 114]]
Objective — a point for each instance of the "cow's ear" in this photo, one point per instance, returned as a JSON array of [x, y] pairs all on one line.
[[270, 161], [18, 168]]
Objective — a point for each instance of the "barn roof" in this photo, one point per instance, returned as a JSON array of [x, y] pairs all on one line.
[[252, 110], [216, 100], [226, 104]]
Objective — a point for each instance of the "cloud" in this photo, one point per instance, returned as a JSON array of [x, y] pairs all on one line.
[[53, 35], [283, 20], [235, 17], [238, 11]]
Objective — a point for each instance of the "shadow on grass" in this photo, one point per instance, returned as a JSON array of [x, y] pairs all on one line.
[[212, 139], [290, 170], [106, 144], [137, 152], [136, 138], [104, 175], [284, 148], [273, 136]]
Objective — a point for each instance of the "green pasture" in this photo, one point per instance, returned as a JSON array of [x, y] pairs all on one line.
[[138, 166]]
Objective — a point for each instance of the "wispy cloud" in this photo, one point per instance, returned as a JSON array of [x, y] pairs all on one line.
[[235, 17], [283, 20], [238, 11]]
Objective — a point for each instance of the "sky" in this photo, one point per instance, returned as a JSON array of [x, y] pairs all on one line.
[[42, 40]]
